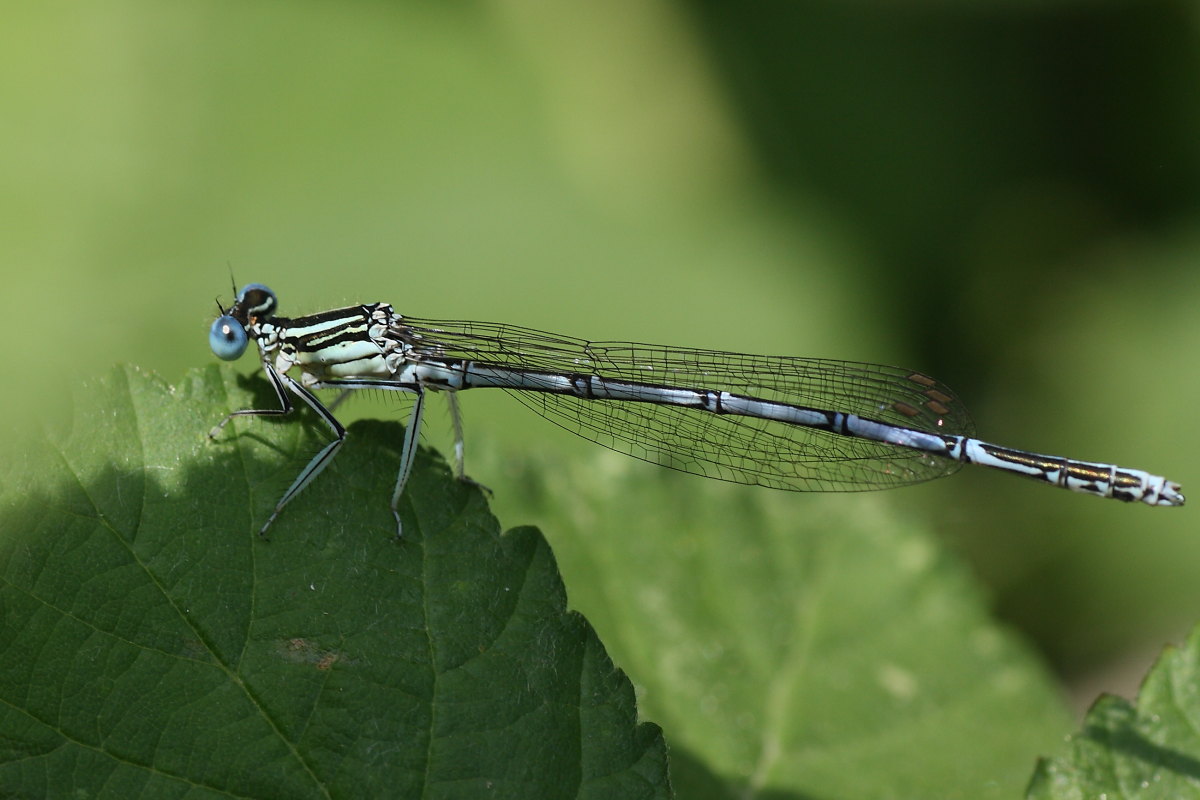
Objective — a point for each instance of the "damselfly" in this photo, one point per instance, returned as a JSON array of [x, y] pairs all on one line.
[[802, 424]]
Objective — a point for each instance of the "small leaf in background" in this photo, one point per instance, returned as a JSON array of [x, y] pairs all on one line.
[[153, 645], [1150, 749]]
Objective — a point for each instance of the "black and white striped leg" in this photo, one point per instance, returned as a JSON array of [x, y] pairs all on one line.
[[285, 404], [460, 470], [460, 459], [282, 384], [320, 460], [408, 455]]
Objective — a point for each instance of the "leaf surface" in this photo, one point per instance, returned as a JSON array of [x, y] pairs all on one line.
[[153, 645], [791, 645], [1149, 749]]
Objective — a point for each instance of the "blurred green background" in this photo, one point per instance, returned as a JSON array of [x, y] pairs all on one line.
[[1004, 197]]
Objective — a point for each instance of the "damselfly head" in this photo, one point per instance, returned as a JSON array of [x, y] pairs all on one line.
[[228, 337]]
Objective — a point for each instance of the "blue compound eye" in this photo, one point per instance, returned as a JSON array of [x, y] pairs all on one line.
[[227, 338]]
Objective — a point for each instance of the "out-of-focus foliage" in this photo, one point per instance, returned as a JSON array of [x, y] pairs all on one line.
[[1003, 196]]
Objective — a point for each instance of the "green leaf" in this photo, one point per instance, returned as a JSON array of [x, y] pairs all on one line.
[[791, 645], [1147, 750], [153, 645]]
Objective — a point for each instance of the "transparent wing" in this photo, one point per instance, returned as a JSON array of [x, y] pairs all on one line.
[[733, 448]]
